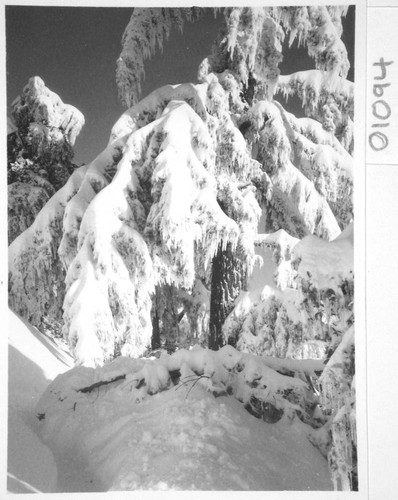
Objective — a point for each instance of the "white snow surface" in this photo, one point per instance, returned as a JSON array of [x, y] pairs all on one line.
[[34, 360]]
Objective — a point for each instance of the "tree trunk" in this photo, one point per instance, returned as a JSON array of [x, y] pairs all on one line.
[[226, 283], [155, 341]]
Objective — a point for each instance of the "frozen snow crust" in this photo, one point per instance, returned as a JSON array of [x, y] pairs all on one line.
[[176, 423]]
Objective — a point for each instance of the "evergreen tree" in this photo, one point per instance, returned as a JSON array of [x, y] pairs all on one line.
[[40, 142]]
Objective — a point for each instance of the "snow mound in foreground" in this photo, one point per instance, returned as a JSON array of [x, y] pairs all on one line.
[[139, 424], [34, 360]]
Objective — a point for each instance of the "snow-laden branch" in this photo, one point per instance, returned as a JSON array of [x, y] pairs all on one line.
[[36, 275], [280, 382], [310, 307], [295, 187], [147, 30], [326, 97]]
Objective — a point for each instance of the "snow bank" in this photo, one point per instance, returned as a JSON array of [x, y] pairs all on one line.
[[151, 424], [34, 360]]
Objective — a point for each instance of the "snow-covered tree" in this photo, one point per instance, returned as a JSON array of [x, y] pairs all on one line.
[[236, 149], [40, 140]]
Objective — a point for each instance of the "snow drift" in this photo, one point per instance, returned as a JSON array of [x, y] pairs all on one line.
[[169, 423]]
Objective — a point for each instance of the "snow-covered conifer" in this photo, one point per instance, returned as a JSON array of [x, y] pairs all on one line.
[[40, 139]]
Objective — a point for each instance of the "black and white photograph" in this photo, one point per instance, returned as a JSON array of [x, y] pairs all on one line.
[[180, 228]]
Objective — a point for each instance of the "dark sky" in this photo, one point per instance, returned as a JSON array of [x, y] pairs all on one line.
[[74, 50]]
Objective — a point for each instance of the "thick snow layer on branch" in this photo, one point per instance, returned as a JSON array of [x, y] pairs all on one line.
[[151, 107], [326, 97], [294, 201], [318, 155], [312, 138], [314, 85], [307, 205]]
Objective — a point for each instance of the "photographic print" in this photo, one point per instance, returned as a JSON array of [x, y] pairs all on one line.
[[181, 248]]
